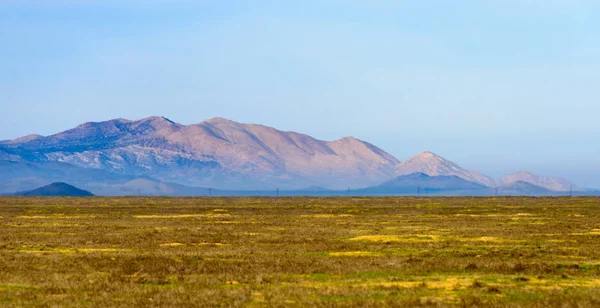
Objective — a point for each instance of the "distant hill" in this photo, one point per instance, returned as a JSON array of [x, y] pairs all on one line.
[[524, 188], [551, 183], [412, 183], [57, 190]]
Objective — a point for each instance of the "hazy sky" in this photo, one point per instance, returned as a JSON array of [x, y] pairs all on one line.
[[494, 85]]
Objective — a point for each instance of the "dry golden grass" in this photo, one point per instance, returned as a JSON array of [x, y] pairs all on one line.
[[327, 252]]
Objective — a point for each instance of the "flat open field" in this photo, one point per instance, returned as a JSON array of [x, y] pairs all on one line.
[[300, 252]]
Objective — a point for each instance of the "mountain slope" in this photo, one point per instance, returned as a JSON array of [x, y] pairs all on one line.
[[550, 183], [413, 183], [57, 190], [434, 165], [216, 153]]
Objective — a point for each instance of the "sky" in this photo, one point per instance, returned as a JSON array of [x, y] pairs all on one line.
[[496, 86]]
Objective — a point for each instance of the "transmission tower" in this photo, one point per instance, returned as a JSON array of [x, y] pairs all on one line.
[[571, 191]]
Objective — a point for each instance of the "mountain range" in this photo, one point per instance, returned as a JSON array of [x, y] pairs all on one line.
[[157, 156]]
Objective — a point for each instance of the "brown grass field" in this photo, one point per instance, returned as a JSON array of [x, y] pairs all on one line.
[[323, 252]]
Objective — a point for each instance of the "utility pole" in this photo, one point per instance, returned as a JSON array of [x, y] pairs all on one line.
[[210, 192], [571, 191], [348, 191], [419, 191]]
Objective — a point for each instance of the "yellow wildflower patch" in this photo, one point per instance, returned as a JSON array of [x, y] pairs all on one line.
[[489, 239], [209, 215], [593, 232], [58, 216], [326, 215], [397, 238], [172, 245], [211, 244], [73, 250], [355, 254]]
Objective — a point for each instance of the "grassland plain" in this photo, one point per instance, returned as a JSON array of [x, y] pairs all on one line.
[[328, 252]]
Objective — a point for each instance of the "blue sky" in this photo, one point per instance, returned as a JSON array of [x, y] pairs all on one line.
[[496, 86]]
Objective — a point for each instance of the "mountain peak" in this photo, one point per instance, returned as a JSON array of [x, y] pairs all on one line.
[[348, 139], [161, 125], [523, 173], [156, 119], [219, 120], [427, 155]]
